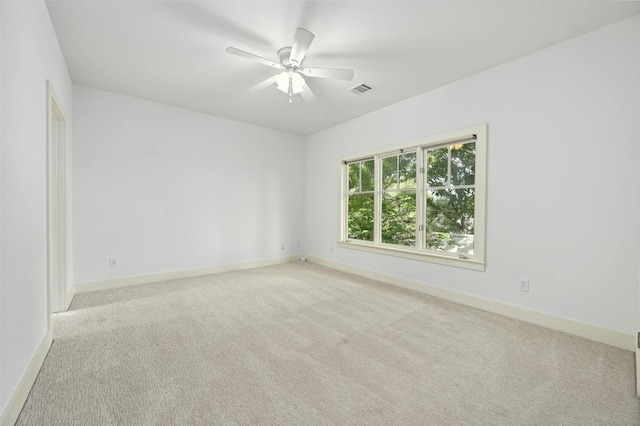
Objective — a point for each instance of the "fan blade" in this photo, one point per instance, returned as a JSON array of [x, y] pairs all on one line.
[[301, 43], [251, 56], [334, 73], [307, 94], [268, 82]]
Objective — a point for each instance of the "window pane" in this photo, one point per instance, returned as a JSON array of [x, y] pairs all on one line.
[[399, 218], [367, 175], [463, 164], [390, 173], [407, 165], [450, 220], [437, 166], [360, 219], [354, 177]]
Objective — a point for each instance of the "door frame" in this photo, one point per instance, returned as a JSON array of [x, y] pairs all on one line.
[[58, 218]]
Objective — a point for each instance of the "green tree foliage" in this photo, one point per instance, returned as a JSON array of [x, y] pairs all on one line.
[[361, 217], [399, 218]]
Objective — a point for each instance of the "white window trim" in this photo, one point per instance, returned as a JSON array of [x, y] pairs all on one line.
[[474, 262]]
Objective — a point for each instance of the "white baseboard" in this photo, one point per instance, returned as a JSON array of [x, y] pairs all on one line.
[[172, 275], [637, 371], [14, 406], [69, 297], [577, 328]]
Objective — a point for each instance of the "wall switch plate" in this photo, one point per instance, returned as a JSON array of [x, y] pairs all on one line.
[[113, 262], [282, 246], [523, 285]]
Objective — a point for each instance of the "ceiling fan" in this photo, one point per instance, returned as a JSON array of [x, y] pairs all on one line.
[[291, 80]]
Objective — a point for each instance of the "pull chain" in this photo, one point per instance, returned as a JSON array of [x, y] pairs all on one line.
[[290, 89]]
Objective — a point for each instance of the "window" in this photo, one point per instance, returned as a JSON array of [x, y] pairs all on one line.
[[398, 195], [422, 200], [450, 198], [361, 200]]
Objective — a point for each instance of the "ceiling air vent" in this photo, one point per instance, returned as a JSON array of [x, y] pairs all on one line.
[[362, 88]]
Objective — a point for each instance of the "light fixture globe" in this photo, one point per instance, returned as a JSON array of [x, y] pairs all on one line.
[[297, 83], [290, 81], [282, 80]]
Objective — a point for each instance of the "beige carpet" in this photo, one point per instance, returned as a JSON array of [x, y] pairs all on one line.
[[300, 344]]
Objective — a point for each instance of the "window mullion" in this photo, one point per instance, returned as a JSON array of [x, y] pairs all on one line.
[[420, 213], [377, 201], [345, 202], [449, 167]]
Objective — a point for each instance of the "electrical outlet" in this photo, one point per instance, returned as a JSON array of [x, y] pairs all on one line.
[[282, 246], [523, 285], [113, 262], [330, 249]]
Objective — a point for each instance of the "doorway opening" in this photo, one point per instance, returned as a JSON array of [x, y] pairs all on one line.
[[56, 203]]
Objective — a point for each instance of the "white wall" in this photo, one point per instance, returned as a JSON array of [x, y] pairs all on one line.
[[163, 188], [30, 56], [563, 184]]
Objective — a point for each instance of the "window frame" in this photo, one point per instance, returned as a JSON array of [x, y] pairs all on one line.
[[476, 261]]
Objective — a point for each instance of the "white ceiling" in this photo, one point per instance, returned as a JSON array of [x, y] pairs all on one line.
[[174, 51]]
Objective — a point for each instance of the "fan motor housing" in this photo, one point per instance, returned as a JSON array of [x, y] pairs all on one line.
[[285, 54]]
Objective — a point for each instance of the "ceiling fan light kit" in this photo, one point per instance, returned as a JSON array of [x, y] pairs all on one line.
[[291, 80]]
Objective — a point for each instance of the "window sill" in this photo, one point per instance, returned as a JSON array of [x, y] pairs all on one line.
[[407, 253]]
